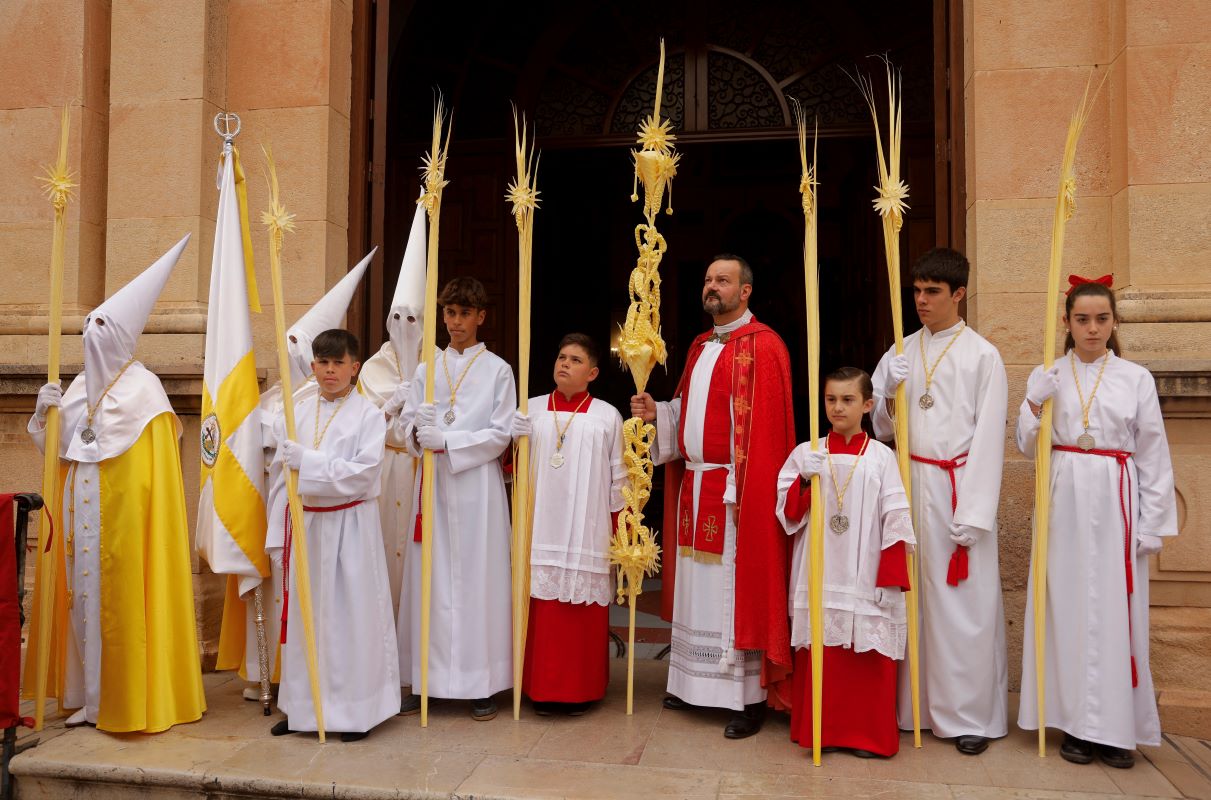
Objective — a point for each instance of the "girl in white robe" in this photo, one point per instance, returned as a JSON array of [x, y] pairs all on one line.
[[1109, 507]]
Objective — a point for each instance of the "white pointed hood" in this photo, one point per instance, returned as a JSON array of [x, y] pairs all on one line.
[[112, 330], [325, 315], [405, 320]]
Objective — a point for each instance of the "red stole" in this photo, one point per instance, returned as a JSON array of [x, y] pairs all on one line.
[[753, 376]]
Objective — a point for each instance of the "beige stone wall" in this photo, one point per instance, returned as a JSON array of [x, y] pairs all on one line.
[[144, 79], [1144, 183]]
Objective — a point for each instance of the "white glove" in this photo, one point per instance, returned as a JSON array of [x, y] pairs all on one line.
[[522, 425], [292, 453], [1148, 545], [811, 462], [49, 396], [893, 376], [1043, 385], [964, 535], [426, 415], [885, 597], [430, 438], [398, 398]]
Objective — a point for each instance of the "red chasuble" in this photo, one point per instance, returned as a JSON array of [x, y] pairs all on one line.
[[753, 375], [567, 645], [859, 703]]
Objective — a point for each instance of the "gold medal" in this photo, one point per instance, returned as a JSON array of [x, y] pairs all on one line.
[[449, 416], [926, 401], [1085, 441], [839, 523]]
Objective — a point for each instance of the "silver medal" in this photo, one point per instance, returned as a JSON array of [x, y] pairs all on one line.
[[1085, 441], [839, 523], [88, 436], [557, 460], [926, 401], [449, 417]]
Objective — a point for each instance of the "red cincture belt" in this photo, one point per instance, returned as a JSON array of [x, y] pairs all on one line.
[[1125, 508], [286, 553], [957, 571]]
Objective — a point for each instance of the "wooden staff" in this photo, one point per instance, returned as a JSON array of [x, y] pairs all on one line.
[[279, 223], [524, 197], [814, 567], [1065, 205], [891, 207], [434, 179], [59, 185]]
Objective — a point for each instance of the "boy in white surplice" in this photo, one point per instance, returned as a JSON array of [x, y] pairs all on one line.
[[577, 473], [338, 459], [467, 426]]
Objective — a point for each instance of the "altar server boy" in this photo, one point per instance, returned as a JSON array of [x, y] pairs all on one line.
[[338, 457], [867, 527], [467, 426], [578, 475]]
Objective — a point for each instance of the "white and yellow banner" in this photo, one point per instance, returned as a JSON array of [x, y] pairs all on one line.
[[231, 507]]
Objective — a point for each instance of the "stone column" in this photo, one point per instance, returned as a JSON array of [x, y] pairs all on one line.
[[1142, 188]]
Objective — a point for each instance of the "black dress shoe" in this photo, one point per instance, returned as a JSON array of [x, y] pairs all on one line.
[[483, 709], [354, 736], [745, 723], [971, 745], [576, 709], [281, 728], [1078, 751], [409, 705], [1115, 757], [864, 753], [544, 709], [675, 703]]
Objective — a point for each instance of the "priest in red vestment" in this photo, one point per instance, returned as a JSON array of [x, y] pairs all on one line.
[[725, 577]]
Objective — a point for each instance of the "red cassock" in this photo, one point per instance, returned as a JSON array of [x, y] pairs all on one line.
[[859, 692], [567, 645], [754, 372]]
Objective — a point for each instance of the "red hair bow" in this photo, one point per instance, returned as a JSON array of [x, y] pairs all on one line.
[[1077, 280]]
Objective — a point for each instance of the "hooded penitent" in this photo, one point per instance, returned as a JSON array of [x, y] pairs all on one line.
[[325, 315], [405, 320]]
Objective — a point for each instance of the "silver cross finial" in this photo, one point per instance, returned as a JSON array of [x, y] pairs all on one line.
[[223, 126]]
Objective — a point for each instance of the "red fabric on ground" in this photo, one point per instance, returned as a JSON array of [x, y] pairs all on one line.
[[10, 619], [859, 704], [567, 652]]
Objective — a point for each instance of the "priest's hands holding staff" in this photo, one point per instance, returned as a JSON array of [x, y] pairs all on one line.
[[644, 407]]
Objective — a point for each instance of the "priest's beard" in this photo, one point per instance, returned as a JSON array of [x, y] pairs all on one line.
[[715, 305]]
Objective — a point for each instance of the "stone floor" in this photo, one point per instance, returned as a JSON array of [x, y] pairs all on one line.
[[604, 754]]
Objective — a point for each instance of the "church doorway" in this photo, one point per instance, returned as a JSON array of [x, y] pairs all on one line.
[[584, 74]]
